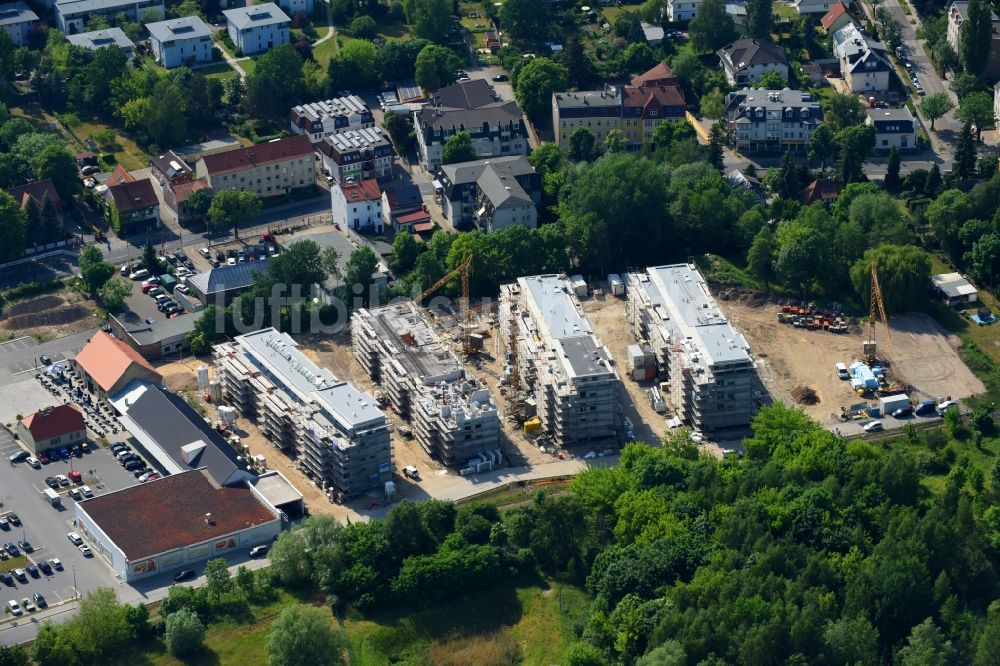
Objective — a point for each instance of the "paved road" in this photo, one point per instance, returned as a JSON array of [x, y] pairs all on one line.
[[18, 356]]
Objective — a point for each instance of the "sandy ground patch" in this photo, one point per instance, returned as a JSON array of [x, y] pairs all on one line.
[[926, 357], [24, 396], [50, 315]]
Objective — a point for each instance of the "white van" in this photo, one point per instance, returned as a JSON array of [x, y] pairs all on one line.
[[842, 371]]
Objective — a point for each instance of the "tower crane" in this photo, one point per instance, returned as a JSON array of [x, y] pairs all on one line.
[[876, 300], [464, 269]]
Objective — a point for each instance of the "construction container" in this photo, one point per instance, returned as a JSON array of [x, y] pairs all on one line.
[[476, 340], [533, 424], [202, 378], [656, 401], [616, 285], [892, 403], [636, 357], [863, 377], [579, 285]]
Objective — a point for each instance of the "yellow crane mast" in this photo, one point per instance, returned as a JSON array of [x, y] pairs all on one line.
[[876, 301], [464, 269]]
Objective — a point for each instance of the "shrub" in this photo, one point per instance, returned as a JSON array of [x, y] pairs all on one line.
[[184, 632]]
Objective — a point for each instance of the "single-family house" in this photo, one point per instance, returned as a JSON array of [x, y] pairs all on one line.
[[825, 190], [836, 18], [746, 60], [894, 128], [358, 205], [739, 180], [168, 168], [813, 6], [39, 191], [182, 41], [258, 28], [175, 196], [99, 39], [17, 20], [132, 207], [863, 60], [52, 427], [403, 207], [681, 10]]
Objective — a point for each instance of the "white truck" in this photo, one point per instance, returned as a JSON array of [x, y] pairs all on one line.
[[53, 497]]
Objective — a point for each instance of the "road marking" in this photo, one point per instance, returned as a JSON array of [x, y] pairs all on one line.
[[22, 342]]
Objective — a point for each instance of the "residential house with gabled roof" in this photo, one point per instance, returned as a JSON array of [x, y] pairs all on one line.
[[491, 194], [813, 6], [17, 20], [358, 205], [39, 191], [357, 154], [100, 39], [863, 60], [268, 169], [825, 190], [746, 60], [52, 427], [258, 28], [180, 41], [131, 206], [496, 126], [836, 18], [681, 10], [107, 365], [403, 207]]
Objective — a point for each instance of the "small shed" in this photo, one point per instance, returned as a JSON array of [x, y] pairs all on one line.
[[954, 288], [579, 285], [616, 284]]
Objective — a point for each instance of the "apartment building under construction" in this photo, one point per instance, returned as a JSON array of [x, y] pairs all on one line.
[[713, 383], [556, 357], [337, 433], [453, 416]]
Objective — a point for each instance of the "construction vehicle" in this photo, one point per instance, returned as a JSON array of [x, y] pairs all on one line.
[[868, 347], [464, 269]]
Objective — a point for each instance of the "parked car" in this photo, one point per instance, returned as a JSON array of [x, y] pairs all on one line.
[[74, 538], [205, 252], [145, 477], [12, 549], [7, 579], [14, 608], [20, 574], [26, 546], [500, 78], [258, 551], [45, 567], [52, 482], [140, 274], [33, 571], [86, 491], [19, 456], [14, 519], [85, 550], [62, 479], [40, 600], [4, 524], [35, 462], [56, 564], [133, 465], [946, 405], [186, 574], [872, 426], [76, 494], [28, 605]]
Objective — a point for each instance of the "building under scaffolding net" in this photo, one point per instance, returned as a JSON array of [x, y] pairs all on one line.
[[337, 433], [557, 361], [453, 416]]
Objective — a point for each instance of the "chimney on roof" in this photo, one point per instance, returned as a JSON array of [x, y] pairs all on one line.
[[208, 519]]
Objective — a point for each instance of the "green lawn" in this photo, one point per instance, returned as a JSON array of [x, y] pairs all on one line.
[[248, 66], [221, 71], [783, 11], [534, 620]]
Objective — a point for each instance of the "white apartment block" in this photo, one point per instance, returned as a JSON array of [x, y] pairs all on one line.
[[183, 41], [99, 39], [336, 432], [772, 119], [561, 363], [453, 415], [17, 19], [269, 169], [258, 27], [72, 15], [713, 384], [682, 10], [358, 205], [318, 120]]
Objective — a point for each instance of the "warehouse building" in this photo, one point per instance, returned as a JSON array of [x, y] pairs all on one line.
[[172, 522], [336, 432], [713, 383], [559, 358], [453, 415]]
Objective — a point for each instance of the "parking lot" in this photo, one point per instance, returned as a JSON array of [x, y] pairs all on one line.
[[23, 395], [26, 364], [46, 527]]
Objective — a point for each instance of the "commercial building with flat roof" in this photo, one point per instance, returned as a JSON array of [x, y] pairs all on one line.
[[172, 522], [561, 361], [453, 415], [337, 433], [713, 382]]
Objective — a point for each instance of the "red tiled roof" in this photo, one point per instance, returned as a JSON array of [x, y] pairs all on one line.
[[169, 513], [134, 195], [835, 13], [414, 217], [261, 154], [54, 422], [106, 358], [183, 190], [821, 189], [365, 190], [426, 226], [118, 176], [37, 191], [652, 97], [661, 75]]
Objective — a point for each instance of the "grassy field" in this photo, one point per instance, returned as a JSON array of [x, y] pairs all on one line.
[[508, 498], [221, 71], [248, 66], [783, 11], [534, 622]]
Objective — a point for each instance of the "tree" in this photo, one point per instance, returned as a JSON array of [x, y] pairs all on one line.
[[965, 83], [670, 653], [57, 164], [771, 79], [759, 19], [844, 111], [354, 66], [404, 253], [891, 183], [903, 272], [330, 261], [716, 141], [94, 270], [788, 186], [231, 208], [935, 106], [184, 634], [149, 259], [712, 27], [822, 145], [400, 130], [713, 104], [113, 294], [578, 63], [364, 27], [760, 257], [12, 227], [430, 18], [614, 142], [984, 259], [360, 271], [638, 57], [458, 148], [976, 108], [303, 636], [525, 19], [927, 646], [165, 118], [856, 144], [436, 67], [217, 578], [965, 152], [975, 36], [581, 145], [198, 203], [535, 84]]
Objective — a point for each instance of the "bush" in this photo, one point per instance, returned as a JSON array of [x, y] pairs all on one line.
[[363, 27], [184, 633]]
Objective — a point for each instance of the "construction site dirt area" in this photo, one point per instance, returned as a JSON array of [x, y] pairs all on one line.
[[798, 365], [52, 315]]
